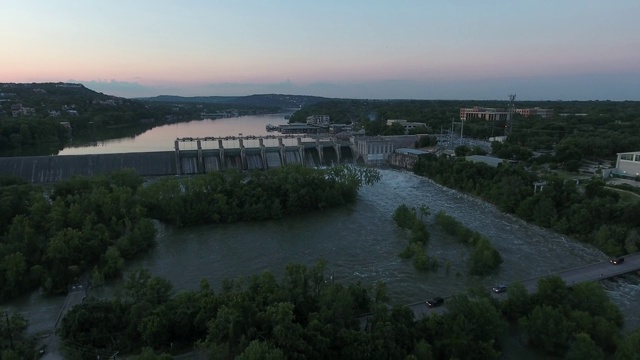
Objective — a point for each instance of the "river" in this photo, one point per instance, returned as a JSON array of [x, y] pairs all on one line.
[[360, 242]]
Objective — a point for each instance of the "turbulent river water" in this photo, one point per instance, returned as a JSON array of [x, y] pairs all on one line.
[[360, 242]]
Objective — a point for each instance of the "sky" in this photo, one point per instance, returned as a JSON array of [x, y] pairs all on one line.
[[374, 49]]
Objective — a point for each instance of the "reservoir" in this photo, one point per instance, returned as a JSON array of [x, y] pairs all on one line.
[[359, 242]]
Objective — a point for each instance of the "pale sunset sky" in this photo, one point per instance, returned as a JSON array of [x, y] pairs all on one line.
[[378, 49]]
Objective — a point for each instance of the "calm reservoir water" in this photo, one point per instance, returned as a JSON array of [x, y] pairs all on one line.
[[360, 242]]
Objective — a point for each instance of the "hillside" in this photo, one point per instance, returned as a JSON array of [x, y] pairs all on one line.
[[263, 100]]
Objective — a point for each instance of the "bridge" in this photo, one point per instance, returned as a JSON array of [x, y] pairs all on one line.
[[50, 344], [591, 272]]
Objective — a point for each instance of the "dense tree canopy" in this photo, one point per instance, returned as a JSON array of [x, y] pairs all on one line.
[[302, 315], [231, 196], [51, 236]]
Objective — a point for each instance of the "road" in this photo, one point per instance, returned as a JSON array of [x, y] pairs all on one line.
[[592, 272], [51, 343]]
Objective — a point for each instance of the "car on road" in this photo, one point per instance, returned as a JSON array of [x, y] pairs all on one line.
[[435, 302], [616, 260], [499, 289]]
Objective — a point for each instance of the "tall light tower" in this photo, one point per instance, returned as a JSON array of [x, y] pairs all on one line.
[[512, 107]]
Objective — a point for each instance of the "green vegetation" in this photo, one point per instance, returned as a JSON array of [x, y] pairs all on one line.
[[591, 128], [14, 344], [407, 218], [594, 215], [484, 258], [95, 116], [51, 237], [302, 315], [235, 196]]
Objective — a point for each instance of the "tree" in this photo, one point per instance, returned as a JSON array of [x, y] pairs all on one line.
[[259, 350], [142, 287], [551, 291], [484, 258], [629, 348], [518, 302], [547, 329], [394, 129], [404, 216], [583, 348]]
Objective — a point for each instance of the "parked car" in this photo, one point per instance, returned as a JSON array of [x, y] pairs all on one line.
[[616, 260], [435, 302], [499, 288]]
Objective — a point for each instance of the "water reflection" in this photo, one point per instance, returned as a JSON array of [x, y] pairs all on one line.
[[162, 138]]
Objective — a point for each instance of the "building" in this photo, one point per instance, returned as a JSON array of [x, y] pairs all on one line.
[[407, 125], [628, 164], [496, 114], [476, 112], [318, 120], [374, 150], [536, 111]]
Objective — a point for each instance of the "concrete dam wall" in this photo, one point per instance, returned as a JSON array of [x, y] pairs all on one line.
[[49, 169]]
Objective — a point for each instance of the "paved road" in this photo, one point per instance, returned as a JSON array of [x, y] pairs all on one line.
[[51, 343], [592, 272]]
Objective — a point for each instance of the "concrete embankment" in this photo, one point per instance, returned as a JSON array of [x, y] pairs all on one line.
[[49, 169]]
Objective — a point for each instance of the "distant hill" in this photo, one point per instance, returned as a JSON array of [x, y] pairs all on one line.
[[270, 100]]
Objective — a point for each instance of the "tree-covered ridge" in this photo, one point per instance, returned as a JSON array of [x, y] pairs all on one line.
[[91, 115], [303, 315], [592, 214], [49, 237], [236, 196]]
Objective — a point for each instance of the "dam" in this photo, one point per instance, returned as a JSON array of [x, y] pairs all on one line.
[[189, 156], [203, 155]]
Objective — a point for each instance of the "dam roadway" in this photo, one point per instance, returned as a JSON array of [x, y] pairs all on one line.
[[592, 272]]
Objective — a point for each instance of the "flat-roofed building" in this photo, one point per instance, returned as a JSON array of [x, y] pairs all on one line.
[[536, 111], [477, 112], [628, 164], [495, 114]]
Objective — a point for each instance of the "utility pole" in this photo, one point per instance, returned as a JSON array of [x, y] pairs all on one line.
[[6, 316], [511, 110], [461, 131]]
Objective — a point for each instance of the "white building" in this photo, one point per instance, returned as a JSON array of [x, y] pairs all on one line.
[[373, 150], [318, 120], [628, 164]]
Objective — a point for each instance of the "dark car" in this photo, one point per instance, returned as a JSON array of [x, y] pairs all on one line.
[[435, 302], [616, 260], [499, 288]]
